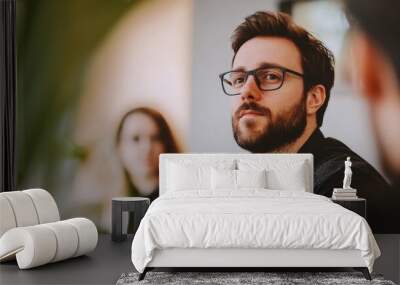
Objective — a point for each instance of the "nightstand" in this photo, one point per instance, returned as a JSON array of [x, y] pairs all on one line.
[[357, 205], [136, 205]]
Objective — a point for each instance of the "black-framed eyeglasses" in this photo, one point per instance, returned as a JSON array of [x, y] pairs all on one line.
[[267, 79]]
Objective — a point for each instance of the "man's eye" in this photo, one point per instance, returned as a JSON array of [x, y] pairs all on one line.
[[136, 138], [238, 80], [270, 76]]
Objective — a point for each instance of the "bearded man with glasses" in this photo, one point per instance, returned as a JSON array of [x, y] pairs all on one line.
[[280, 84]]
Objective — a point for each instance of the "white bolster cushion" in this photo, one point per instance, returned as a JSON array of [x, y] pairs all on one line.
[[67, 239], [33, 246], [23, 208], [26, 208], [46, 207], [40, 244], [7, 219], [87, 234]]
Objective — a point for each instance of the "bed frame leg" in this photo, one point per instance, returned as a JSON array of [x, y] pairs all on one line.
[[364, 271], [143, 274]]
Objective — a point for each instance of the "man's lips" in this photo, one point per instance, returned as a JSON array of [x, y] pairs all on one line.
[[250, 112]]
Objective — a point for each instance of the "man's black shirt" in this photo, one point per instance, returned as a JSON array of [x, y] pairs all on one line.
[[329, 154]]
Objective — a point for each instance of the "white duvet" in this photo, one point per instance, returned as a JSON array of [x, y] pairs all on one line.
[[250, 218]]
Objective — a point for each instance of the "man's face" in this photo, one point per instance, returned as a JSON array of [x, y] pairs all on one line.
[[264, 121]]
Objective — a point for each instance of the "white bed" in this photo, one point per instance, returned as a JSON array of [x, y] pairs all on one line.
[[263, 219]]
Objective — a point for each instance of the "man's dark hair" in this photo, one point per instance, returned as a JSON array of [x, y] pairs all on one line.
[[380, 21], [316, 60]]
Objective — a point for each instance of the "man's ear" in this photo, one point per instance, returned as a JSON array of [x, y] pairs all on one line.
[[316, 97], [369, 65]]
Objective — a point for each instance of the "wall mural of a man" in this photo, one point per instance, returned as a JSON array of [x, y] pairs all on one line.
[[280, 86]]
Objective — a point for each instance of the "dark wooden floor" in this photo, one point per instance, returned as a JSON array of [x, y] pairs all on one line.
[[102, 266], [110, 259]]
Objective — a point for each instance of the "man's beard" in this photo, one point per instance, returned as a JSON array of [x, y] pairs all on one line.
[[284, 130]]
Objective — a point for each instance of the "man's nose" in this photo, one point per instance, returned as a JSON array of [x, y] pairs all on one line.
[[250, 90]]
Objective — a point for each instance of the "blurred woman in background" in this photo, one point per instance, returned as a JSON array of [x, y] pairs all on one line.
[[142, 135]]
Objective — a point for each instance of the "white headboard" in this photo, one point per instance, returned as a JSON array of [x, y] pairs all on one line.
[[166, 157]]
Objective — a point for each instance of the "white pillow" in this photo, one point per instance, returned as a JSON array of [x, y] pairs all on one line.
[[223, 179], [193, 174], [291, 179], [281, 174], [236, 179], [187, 177], [251, 178]]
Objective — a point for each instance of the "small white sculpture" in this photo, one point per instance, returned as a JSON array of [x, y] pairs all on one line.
[[347, 174]]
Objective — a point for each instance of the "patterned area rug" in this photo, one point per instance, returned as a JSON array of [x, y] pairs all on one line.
[[230, 278]]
